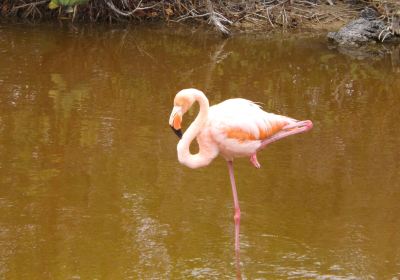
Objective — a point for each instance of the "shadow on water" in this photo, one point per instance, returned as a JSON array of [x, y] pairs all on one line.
[[91, 187]]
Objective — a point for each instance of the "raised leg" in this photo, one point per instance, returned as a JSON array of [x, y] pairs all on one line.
[[236, 204], [290, 129]]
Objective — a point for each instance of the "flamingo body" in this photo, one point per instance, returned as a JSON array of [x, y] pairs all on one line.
[[237, 128]]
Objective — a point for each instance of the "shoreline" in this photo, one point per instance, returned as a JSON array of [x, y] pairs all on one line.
[[233, 17], [348, 24]]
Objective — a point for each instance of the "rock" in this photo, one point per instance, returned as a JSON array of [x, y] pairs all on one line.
[[369, 13], [359, 31], [352, 39], [367, 28]]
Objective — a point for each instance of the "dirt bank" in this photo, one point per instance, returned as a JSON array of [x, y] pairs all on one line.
[[225, 17]]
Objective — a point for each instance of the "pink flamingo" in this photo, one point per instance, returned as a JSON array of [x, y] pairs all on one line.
[[234, 128]]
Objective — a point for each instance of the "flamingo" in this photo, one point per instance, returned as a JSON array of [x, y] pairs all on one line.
[[233, 128]]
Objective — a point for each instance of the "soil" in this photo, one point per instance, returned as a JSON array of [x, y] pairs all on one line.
[[227, 17], [231, 16]]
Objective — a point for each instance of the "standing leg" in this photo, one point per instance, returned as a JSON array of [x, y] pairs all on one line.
[[236, 203]]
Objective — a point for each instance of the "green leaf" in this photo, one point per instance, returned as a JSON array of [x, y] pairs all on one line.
[[72, 2], [53, 4]]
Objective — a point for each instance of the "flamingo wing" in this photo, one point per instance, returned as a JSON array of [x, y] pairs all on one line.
[[239, 126]]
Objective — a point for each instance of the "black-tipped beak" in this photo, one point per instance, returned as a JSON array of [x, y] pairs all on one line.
[[178, 132]]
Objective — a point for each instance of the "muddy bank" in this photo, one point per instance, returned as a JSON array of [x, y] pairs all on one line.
[[225, 17]]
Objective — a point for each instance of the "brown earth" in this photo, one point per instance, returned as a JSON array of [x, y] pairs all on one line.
[[224, 16]]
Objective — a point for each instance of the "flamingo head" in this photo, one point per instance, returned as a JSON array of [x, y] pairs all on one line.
[[182, 102]]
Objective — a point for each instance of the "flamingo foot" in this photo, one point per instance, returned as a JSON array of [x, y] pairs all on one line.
[[254, 161]]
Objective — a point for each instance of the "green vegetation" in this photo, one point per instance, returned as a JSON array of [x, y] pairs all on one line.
[[54, 4]]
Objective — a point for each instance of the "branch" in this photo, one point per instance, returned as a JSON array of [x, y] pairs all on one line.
[[193, 15], [217, 19], [127, 14], [30, 4]]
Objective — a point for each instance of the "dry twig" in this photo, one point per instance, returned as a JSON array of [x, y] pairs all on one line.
[[110, 4]]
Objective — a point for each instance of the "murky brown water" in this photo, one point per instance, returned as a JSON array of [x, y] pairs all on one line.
[[91, 187]]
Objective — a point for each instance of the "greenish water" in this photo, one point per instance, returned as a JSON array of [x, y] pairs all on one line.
[[90, 186]]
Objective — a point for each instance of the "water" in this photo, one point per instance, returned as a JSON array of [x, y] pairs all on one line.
[[90, 183]]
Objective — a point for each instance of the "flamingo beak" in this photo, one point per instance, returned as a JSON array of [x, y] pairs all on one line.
[[178, 132], [175, 120]]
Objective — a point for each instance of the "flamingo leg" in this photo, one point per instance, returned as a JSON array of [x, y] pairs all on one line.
[[236, 217], [290, 129]]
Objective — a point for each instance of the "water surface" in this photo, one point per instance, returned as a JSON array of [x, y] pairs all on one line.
[[90, 186]]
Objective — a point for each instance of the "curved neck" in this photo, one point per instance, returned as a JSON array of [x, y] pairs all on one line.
[[184, 155]]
